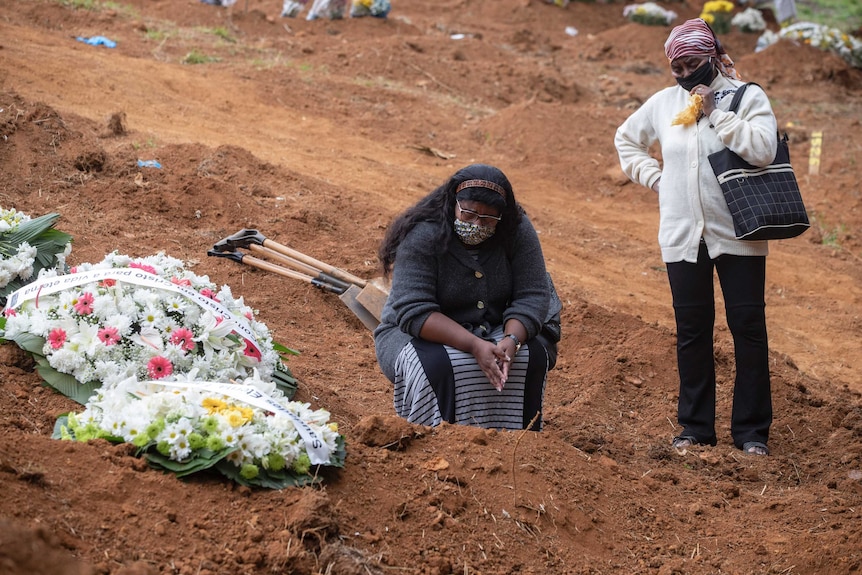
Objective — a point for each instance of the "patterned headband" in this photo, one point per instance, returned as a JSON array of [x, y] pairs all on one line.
[[482, 184], [695, 38], [691, 38]]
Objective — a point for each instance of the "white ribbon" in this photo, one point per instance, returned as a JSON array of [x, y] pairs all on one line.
[[52, 285], [318, 451]]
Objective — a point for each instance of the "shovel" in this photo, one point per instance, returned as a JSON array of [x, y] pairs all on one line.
[[246, 238], [364, 298], [229, 245]]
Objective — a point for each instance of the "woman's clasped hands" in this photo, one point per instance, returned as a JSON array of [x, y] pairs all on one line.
[[494, 360]]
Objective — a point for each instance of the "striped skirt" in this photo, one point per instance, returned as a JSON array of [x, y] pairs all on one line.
[[436, 383]]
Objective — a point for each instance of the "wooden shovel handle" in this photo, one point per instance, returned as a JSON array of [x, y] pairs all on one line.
[[270, 267], [324, 267], [299, 266]]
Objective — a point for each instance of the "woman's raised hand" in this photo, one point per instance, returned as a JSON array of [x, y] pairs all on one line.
[[708, 96]]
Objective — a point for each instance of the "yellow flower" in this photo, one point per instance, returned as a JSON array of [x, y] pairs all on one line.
[[718, 6], [213, 405], [235, 418], [708, 17], [691, 112]]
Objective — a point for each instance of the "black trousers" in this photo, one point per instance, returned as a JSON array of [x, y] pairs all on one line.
[[742, 280]]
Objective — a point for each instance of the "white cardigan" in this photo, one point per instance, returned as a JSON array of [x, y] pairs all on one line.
[[691, 203]]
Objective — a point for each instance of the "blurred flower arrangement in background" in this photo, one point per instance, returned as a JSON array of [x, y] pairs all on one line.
[[649, 13], [826, 38], [717, 13], [749, 20]]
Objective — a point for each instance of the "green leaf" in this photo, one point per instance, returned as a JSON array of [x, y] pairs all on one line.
[[26, 232], [39, 234], [337, 458], [62, 421], [65, 383], [283, 350], [30, 343], [284, 380], [267, 479], [201, 460]]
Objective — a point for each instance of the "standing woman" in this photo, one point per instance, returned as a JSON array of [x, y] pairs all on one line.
[[696, 232], [463, 335]]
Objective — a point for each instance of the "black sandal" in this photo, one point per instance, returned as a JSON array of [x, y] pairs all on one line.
[[755, 448], [684, 441]]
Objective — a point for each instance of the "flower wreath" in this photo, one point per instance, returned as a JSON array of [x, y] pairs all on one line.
[[142, 318], [246, 430]]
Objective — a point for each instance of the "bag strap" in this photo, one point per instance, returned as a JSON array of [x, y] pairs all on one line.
[[737, 97]]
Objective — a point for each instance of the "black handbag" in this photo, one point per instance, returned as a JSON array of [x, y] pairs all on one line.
[[765, 202]]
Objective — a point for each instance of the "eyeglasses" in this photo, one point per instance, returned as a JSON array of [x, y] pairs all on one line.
[[471, 217]]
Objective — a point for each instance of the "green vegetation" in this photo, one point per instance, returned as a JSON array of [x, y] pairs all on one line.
[[195, 57], [149, 144], [830, 234], [846, 15], [99, 6], [223, 34], [156, 35], [833, 237], [80, 4]]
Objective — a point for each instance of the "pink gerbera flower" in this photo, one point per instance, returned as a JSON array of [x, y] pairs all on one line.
[[184, 338], [84, 304], [207, 292], [57, 338], [251, 350], [159, 367], [144, 267], [9, 312], [109, 335], [181, 282]]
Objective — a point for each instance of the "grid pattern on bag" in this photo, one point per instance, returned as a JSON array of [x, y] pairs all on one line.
[[765, 202]]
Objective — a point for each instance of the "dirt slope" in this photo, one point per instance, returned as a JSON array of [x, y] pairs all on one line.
[[318, 133]]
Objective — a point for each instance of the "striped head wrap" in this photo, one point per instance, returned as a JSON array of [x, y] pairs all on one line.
[[695, 38], [482, 184]]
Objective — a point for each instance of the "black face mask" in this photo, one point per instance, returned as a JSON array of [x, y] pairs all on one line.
[[702, 75]]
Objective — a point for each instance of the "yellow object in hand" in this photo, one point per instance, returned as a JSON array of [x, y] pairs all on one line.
[[691, 112]]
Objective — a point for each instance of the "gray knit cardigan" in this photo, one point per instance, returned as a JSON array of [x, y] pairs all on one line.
[[479, 293]]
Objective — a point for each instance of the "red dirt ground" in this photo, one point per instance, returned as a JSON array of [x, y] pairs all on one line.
[[318, 133]]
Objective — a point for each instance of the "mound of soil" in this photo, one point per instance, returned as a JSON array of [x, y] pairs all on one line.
[[318, 133]]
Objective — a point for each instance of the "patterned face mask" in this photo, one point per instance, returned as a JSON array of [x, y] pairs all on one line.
[[473, 234]]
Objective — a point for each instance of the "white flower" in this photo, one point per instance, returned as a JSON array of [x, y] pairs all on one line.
[[749, 20], [649, 13], [86, 340]]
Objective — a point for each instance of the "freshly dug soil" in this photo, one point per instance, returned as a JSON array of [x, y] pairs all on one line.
[[317, 133]]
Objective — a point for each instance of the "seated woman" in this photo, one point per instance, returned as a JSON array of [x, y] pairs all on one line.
[[471, 325]]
